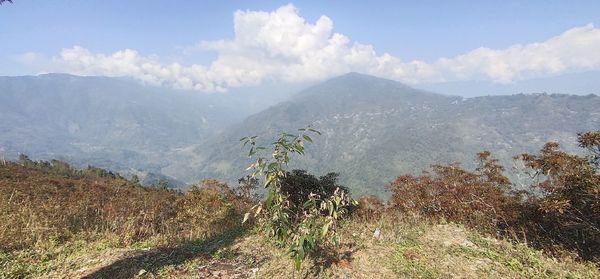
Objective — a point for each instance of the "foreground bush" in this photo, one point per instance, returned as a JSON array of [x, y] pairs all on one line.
[[370, 207], [298, 185], [567, 212], [480, 199], [562, 212]]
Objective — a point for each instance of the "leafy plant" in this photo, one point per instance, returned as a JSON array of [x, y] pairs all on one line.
[[305, 228], [297, 185]]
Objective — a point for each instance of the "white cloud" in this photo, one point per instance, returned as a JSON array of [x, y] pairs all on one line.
[[282, 46]]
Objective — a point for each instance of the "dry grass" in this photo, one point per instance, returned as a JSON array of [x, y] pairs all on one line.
[[415, 248], [53, 226], [37, 208], [43, 214]]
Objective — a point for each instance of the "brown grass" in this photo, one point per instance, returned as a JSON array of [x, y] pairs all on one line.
[[38, 207], [58, 226]]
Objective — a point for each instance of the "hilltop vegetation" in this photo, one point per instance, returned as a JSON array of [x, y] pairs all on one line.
[[57, 221]]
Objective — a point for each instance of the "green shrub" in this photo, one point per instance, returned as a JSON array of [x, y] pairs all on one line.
[[303, 228]]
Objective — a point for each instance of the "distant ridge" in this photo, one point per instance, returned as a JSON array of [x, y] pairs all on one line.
[[113, 123], [376, 129]]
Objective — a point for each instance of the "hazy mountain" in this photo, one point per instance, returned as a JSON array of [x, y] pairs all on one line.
[[582, 83], [373, 129], [113, 122], [376, 129]]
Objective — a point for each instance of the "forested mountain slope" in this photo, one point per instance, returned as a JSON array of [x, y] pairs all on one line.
[[375, 129]]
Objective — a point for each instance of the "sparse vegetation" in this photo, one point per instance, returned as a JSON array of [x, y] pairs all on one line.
[[58, 221], [48, 206]]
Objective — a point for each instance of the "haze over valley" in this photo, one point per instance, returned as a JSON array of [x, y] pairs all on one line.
[[184, 136]]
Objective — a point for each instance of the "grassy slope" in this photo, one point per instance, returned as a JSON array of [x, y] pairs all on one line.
[[409, 248]]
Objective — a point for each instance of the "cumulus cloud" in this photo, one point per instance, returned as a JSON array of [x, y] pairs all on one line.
[[282, 46]]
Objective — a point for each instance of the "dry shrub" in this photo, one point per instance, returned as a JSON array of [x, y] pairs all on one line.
[[564, 212], [37, 206], [567, 212], [479, 199], [370, 207], [208, 209]]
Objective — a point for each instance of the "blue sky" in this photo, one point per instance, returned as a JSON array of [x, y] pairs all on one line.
[[35, 34]]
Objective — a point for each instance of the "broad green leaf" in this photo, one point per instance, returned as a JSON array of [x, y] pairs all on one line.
[[297, 263], [325, 229], [270, 179], [269, 199]]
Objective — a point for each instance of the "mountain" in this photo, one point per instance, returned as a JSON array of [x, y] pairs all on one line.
[[376, 129], [581, 83], [373, 129], [114, 123]]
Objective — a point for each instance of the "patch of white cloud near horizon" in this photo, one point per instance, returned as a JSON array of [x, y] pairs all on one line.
[[282, 46]]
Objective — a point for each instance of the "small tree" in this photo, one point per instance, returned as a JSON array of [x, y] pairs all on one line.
[[304, 229], [25, 161]]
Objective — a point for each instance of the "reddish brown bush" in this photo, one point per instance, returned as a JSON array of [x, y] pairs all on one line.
[[479, 199], [567, 212], [562, 212]]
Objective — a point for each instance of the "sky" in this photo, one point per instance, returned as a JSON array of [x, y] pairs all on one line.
[[218, 45]]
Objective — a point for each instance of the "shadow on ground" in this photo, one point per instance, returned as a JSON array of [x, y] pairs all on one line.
[[342, 257], [155, 259]]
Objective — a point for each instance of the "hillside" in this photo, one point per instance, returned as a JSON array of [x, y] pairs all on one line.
[[373, 129], [147, 233], [115, 123], [376, 129]]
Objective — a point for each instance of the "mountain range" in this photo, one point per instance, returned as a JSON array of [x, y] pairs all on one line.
[[113, 123], [372, 129]]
